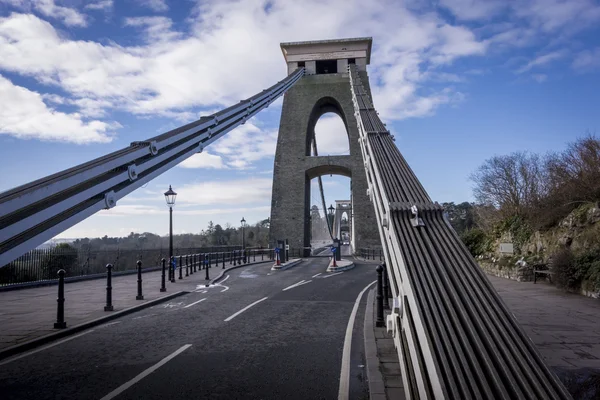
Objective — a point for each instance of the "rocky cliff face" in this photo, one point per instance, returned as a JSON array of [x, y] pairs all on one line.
[[579, 231]]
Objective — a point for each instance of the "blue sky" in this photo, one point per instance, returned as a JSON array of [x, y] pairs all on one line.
[[456, 81]]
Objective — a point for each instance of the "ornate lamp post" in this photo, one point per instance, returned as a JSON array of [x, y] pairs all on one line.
[[331, 217], [243, 222], [170, 196]]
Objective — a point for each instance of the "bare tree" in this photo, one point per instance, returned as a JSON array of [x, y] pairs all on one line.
[[574, 175], [512, 184]]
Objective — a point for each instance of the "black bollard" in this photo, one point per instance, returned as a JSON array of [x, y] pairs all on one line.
[[262, 255], [108, 306], [60, 312], [192, 263], [180, 268], [223, 253], [139, 268], [230, 257], [254, 256], [172, 269], [207, 278], [209, 260], [187, 265], [163, 288], [379, 321], [386, 288]]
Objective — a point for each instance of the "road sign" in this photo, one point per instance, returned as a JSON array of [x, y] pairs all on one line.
[[333, 249], [277, 250], [287, 246]]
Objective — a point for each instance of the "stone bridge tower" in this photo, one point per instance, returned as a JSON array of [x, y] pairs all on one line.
[[324, 88]]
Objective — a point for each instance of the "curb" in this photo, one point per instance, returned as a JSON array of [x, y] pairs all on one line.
[[374, 376], [290, 264], [19, 348], [226, 270], [340, 268]]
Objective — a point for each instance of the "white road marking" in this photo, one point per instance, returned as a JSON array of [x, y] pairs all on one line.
[[314, 276], [144, 374], [226, 288], [196, 302], [244, 309], [302, 282], [227, 277], [329, 276], [171, 305], [144, 316], [344, 391], [109, 324], [44, 348]]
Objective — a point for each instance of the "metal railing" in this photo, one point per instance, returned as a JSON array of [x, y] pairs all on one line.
[[370, 253], [43, 264]]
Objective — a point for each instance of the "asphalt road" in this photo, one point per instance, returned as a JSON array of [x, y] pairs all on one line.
[[209, 344]]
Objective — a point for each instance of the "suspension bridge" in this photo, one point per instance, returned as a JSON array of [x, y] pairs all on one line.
[[454, 337]]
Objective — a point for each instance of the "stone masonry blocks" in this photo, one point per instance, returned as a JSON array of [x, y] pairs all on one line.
[[293, 168]]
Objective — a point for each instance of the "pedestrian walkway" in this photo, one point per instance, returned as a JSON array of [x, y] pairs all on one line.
[[30, 313], [565, 327]]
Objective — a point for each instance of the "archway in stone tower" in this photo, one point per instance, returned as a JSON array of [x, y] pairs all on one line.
[[337, 187]]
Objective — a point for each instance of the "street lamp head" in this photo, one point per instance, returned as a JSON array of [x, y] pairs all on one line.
[[243, 222], [170, 196], [331, 209]]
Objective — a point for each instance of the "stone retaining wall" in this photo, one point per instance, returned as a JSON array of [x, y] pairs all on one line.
[[521, 274]]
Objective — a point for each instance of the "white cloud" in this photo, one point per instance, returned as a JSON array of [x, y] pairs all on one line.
[[331, 135], [587, 60], [245, 145], [542, 60], [25, 115], [473, 9], [204, 160], [133, 78], [68, 16], [100, 5], [553, 15], [155, 28], [155, 5]]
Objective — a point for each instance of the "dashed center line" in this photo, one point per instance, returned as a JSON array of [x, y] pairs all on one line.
[[144, 374], [329, 276], [244, 309], [302, 282], [196, 302]]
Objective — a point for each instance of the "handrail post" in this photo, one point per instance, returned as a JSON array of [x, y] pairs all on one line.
[[139, 296], [60, 311], [379, 321], [163, 288], [109, 306], [386, 288]]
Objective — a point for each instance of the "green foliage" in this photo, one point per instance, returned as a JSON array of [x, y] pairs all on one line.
[[519, 229], [476, 241], [587, 265], [461, 216], [565, 272]]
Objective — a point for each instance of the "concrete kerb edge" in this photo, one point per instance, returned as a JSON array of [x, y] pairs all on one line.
[[343, 268], [374, 375], [287, 265], [226, 270], [20, 348]]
